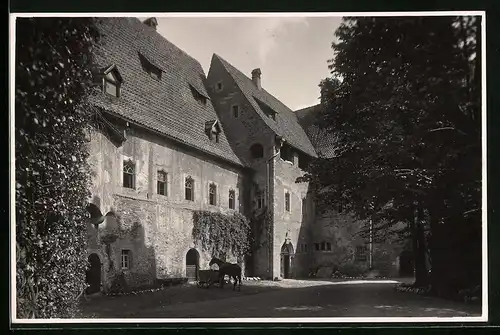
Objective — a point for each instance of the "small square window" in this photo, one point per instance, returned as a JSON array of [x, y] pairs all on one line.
[[129, 174], [287, 201], [212, 194], [126, 259], [218, 87], [232, 199], [161, 183]]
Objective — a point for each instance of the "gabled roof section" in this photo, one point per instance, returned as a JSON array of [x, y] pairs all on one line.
[[324, 141], [285, 123], [164, 106], [150, 60], [114, 70]]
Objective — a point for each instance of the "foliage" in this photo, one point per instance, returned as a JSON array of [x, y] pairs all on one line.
[[405, 108], [222, 234], [52, 174]]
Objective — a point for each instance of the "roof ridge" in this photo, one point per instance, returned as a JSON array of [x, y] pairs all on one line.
[[154, 31]]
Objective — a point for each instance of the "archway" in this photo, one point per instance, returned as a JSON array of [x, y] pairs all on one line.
[[286, 261], [93, 275], [406, 267], [192, 264]]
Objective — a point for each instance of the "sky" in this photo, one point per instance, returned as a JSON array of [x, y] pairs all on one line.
[[292, 52]]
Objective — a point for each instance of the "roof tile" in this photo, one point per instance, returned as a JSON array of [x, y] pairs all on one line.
[[166, 106]]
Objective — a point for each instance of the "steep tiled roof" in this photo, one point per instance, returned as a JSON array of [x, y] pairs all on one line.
[[286, 123], [323, 140], [166, 106]]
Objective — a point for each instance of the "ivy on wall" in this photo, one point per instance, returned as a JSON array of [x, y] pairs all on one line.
[[53, 79], [221, 234]]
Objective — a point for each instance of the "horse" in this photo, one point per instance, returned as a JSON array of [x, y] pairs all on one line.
[[232, 270]]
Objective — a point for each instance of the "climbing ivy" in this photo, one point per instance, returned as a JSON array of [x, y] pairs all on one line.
[[53, 79], [222, 234]]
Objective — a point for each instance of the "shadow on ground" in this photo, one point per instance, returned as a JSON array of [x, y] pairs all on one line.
[[285, 299]]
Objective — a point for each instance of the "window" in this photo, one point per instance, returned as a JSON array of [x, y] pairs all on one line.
[[328, 246], [128, 174], [198, 96], [361, 253], [235, 110], [126, 259], [303, 161], [152, 70], [257, 150], [305, 247], [161, 184], [189, 187], [112, 83], [218, 86], [266, 109], [260, 200], [212, 194], [231, 199], [212, 129], [316, 246], [323, 246], [286, 153], [287, 201]]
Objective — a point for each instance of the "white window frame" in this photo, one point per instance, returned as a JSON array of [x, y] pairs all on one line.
[[126, 259]]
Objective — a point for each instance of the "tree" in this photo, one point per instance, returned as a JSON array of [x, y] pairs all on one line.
[[53, 77], [406, 122]]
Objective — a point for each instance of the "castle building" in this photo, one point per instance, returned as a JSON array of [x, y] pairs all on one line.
[[169, 141]]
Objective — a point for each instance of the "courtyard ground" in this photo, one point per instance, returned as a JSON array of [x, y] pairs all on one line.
[[288, 298]]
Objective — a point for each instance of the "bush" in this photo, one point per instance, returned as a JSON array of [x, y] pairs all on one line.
[[52, 174]]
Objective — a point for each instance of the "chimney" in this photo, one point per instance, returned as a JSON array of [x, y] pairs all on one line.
[[152, 22], [256, 78]]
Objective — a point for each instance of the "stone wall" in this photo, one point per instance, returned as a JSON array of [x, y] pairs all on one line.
[[341, 230], [157, 229]]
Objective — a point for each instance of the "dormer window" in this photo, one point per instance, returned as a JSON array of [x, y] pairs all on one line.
[[112, 81], [270, 113], [200, 97], [150, 68], [213, 130], [286, 153]]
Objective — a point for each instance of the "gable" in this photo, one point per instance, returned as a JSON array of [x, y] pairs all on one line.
[[284, 122]]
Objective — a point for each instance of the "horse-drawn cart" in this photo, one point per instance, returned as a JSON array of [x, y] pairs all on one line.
[[207, 277]]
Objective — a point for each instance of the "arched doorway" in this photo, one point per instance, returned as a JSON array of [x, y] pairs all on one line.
[[192, 264], [287, 254], [93, 275], [406, 268]]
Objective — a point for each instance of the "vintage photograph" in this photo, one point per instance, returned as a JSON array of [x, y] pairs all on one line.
[[239, 166]]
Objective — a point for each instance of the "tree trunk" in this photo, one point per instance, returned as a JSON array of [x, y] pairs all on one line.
[[421, 275]]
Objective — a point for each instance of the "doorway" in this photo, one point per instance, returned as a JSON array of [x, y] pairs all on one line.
[[192, 264], [287, 254], [93, 275]]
